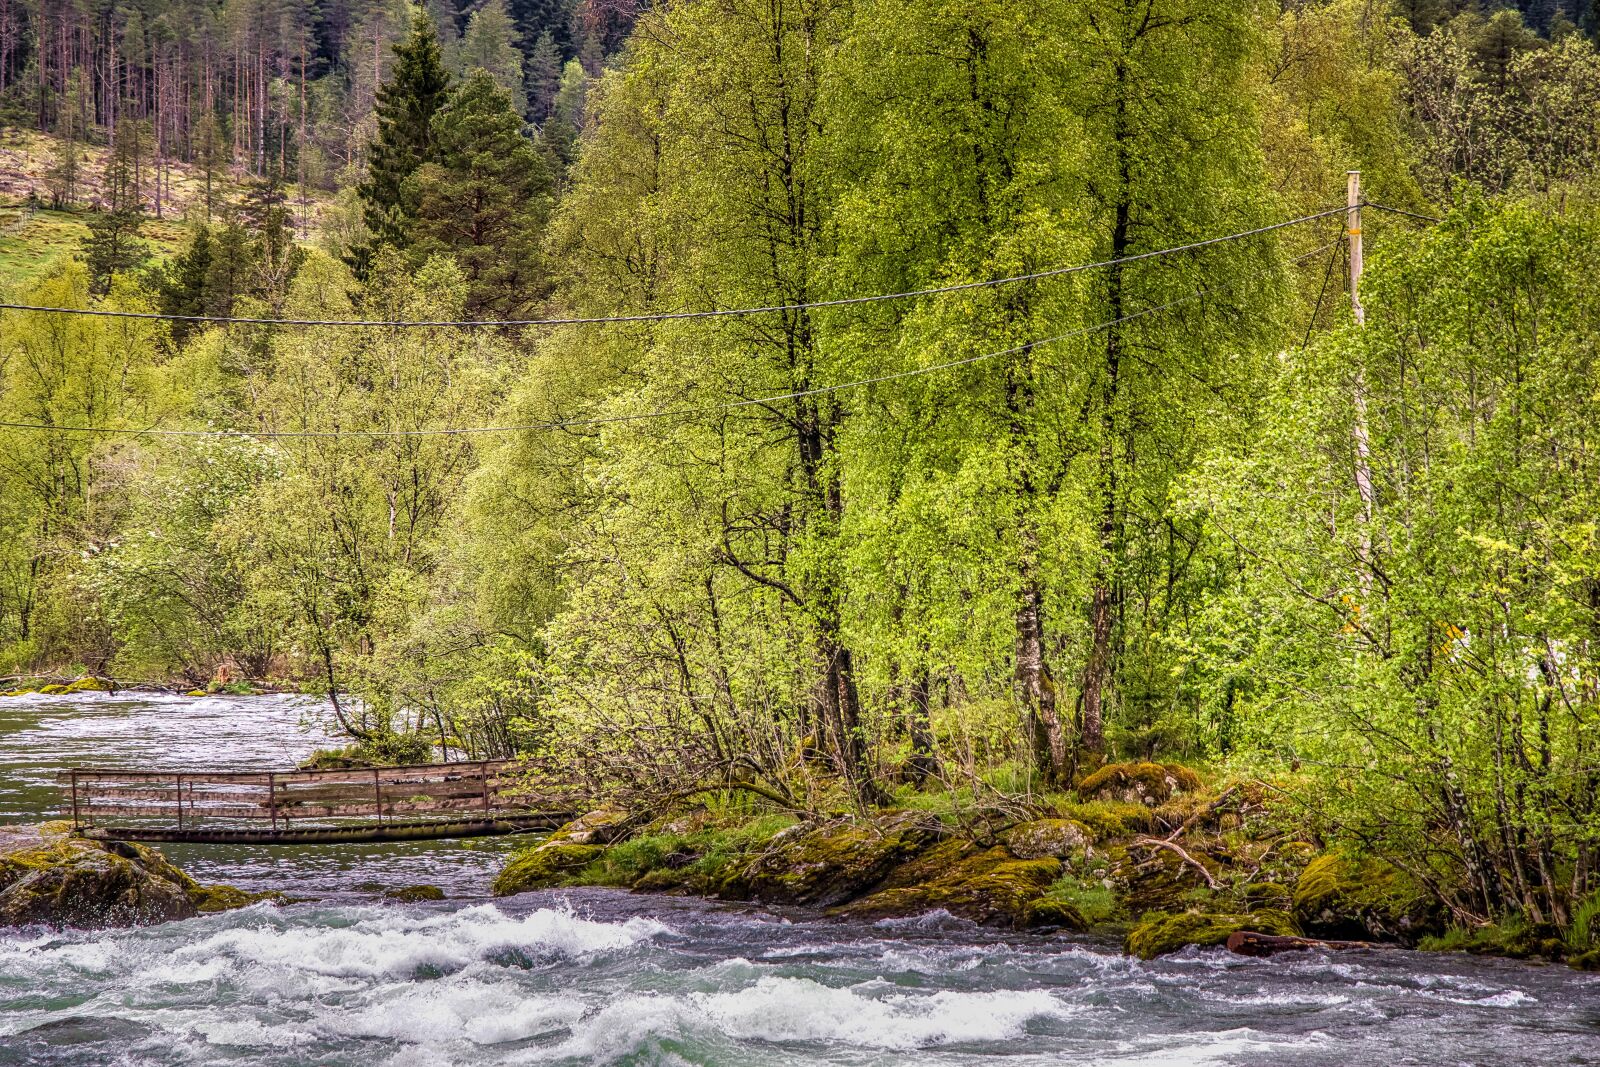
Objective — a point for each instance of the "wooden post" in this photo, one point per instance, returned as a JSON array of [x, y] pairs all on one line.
[[1363, 439], [483, 768], [178, 781], [74, 776], [377, 792], [272, 799]]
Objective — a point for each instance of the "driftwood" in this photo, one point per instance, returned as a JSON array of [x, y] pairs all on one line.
[[1181, 853], [1250, 943]]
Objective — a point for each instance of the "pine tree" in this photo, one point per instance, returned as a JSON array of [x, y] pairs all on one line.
[[113, 245], [490, 45], [406, 106], [181, 284], [485, 199], [535, 18], [544, 77]]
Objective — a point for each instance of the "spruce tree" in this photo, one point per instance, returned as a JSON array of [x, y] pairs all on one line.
[[113, 245], [484, 199], [181, 284], [405, 110]]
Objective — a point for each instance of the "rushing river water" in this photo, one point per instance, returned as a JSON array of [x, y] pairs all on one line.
[[605, 977]]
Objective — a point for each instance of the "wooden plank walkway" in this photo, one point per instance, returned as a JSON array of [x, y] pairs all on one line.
[[307, 807]]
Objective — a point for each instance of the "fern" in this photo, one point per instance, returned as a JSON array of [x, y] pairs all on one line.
[[1584, 933]]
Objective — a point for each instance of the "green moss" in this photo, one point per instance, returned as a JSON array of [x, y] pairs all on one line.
[[413, 894], [1110, 819], [543, 866], [52, 690], [1513, 937], [86, 684], [830, 863], [1042, 838], [1142, 783], [1273, 895], [1092, 900], [214, 898], [1586, 961], [196, 693], [984, 885], [1359, 898], [1160, 934]]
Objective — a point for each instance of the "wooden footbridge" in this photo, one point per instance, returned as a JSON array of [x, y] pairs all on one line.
[[422, 802]]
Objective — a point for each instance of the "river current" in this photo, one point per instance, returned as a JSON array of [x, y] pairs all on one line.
[[605, 977]]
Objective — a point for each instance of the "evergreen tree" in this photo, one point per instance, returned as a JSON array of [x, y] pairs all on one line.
[[535, 18], [485, 199], [544, 77], [490, 45], [113, 245], [405, 110], [181, 284]]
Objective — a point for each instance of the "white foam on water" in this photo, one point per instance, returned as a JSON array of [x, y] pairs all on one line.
[[395, 943], [481, 1013], [776, 1009]]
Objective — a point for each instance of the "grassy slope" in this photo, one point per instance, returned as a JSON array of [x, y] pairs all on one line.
[[31, 247]]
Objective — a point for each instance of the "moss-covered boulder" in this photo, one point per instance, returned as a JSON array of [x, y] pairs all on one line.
[[824, 865], [1139, 783], [1048, 839], [988, 886], [1360, 898], [215, 898], [87, 684], [1160, 934], [600, 827], [49, 876], [543, 866], [1585, 961], [415, 894]]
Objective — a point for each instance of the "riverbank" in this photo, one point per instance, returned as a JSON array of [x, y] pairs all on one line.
[[1142, 852]]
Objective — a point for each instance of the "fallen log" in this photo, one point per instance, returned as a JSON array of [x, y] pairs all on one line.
[[1250, 943]]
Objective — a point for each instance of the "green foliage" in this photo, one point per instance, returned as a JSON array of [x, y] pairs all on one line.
[[406, 104]]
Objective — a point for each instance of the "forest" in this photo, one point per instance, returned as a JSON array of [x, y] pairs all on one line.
[[482, 453]]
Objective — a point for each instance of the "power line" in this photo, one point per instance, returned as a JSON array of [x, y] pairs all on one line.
[[673, 316], [642, 416], [1400, 211]]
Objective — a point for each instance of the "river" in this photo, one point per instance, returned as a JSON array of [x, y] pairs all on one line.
[[606, 977]]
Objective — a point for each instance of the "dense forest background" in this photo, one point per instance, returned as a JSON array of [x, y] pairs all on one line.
[[1180, 506]]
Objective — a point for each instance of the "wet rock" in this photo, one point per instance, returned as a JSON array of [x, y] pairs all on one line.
[[1048, 839], [600, 827], [49, 876], [1359, 898], [1139, 783], [988, 886], [214, 898], [1160, 934], [543, 866], [415, 894], [829, 864], [1586, 961]]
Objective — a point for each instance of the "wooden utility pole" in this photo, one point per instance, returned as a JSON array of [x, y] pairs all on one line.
[[1353, 231], [1363, 439]]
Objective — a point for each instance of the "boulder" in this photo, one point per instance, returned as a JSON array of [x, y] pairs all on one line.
[[49, 876], [600, 827], [1048, 839], [828, 864], [1360, 898], [988, 886], [1160, 934], [543, 866], [414, 894], [1139, 783], [214, 898]]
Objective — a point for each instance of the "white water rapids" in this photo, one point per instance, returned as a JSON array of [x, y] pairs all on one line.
[[604, 977]]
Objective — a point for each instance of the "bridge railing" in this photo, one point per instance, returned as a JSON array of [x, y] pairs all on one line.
[[281, 800]]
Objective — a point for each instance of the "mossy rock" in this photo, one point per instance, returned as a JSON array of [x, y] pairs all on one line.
[[1359, 898], [829, 864], [600, 827], [196, 693], [214, 898], [1111, 819], [88, 684], [1160, 934], [1139, 783], [415, 894], [543, 866], [49, 876], [1586, 961], [51, 690], [662, 880], [988, 886], [1156, 879], [1274, 895], [1048, 839]]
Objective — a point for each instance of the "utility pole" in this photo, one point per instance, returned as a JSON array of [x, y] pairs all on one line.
[[1353, 231], [1363, 440]]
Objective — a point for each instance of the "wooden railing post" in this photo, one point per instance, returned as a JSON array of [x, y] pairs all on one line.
[[377, 792], [272, 799], [178, 781], [483, 768], [74, 778]]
